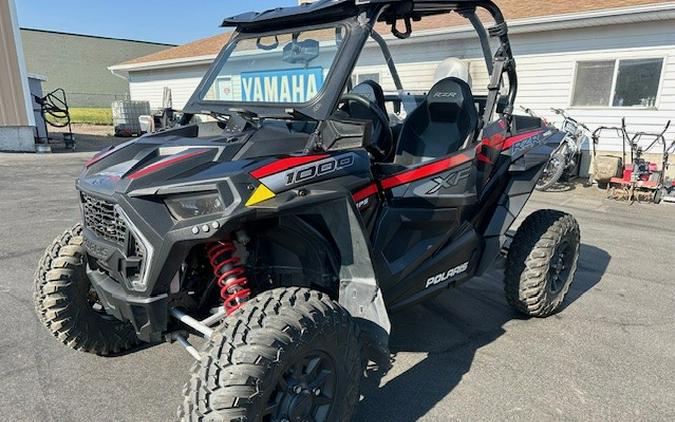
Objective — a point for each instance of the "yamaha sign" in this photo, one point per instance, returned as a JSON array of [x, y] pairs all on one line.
[[282, 86]]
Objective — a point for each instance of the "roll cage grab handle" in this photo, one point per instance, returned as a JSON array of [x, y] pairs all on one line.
[[388, 58], [502, 62]]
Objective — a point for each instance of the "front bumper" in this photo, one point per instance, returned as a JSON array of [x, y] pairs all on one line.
[[118, 258], [148, 315]]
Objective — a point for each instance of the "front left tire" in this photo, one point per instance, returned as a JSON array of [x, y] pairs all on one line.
[[289, 354]]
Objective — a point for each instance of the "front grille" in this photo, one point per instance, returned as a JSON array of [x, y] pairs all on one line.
[[102, 218]]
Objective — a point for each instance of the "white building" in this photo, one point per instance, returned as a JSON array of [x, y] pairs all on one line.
[[600, 60]]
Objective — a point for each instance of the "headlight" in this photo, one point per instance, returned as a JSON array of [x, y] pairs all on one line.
[[183, 207]]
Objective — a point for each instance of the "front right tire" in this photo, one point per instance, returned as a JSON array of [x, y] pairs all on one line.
[[288, 354], [67, 304]]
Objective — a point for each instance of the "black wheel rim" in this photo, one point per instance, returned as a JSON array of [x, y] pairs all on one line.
[[306, 391], [561, 267]]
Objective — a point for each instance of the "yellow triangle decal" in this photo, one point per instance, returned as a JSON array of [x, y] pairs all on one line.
[[262, 193]]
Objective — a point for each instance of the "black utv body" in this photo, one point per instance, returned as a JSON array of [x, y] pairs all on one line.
[[287, 223]]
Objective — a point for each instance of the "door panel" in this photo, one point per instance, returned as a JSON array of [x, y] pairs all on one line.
[[424, 211]]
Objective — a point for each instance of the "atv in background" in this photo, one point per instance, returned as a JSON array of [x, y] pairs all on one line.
[[285, 229]]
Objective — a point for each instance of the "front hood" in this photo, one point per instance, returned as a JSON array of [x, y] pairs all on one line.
[[177, 158]]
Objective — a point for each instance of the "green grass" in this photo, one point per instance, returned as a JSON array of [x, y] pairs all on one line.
[[91, 116]]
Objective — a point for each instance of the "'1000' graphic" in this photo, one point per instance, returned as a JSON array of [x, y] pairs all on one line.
[[318, 169]]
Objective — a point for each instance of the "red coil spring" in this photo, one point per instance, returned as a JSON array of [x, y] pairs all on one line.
[[230, 273]]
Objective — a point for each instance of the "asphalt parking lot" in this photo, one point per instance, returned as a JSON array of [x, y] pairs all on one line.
[[609, 355]]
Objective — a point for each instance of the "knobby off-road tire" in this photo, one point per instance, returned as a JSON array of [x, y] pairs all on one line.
[[65, 302], [542, 262], [266, 362]]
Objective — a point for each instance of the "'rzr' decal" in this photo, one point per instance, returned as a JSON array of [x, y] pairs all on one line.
[[526, 140]]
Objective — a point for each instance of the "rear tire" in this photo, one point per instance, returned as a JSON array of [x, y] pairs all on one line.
[[542, 262], [290, 354], [66, 303]]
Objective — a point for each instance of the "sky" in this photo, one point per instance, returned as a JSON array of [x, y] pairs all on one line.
[[165, 21]]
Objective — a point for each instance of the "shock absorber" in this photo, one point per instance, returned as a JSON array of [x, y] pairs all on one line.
[[230, 274]]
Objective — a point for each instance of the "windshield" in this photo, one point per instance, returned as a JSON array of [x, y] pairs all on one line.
[[288, 68]]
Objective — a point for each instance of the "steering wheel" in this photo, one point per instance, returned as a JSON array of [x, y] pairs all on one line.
[[379, 150]]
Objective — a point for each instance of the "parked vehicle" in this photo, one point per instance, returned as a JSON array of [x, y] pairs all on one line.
[[286, 230], [564, 163]]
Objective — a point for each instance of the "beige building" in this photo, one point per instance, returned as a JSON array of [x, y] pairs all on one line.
[[17, 120]]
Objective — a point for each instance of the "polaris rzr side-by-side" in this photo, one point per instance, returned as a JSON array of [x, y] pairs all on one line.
[[290, 212]]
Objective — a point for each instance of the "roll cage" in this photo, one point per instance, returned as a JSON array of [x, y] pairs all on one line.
[[358, 17]]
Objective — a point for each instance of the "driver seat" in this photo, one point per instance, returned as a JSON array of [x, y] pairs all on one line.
[[440, 125], [372, 91]]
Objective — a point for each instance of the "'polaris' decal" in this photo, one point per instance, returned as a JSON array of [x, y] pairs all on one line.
[[453, 272]]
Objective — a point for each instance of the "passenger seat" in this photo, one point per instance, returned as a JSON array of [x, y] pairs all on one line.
[[440, 125]]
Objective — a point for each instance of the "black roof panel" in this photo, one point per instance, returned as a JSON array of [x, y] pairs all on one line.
[[323, 10], [318, 8]]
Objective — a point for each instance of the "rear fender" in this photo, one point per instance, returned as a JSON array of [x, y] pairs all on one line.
[[528, 160], [535, 150]]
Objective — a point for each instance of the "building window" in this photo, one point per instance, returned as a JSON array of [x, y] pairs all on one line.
[[617, 83], [358, 78], [594, 83]]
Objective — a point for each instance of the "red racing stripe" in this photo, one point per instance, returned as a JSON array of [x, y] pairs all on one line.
[[165, 163], [365, 193], [519, 138], [424, 171], [484, 158], [285, 164], [106, 153], [495, 142]]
